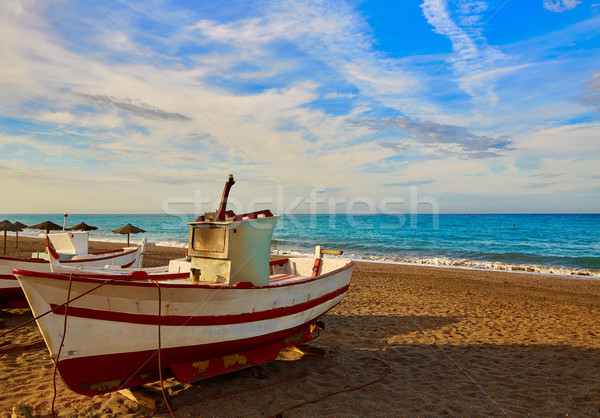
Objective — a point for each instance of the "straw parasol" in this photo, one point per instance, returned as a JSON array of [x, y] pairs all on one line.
[[82, 227], [21, 227], [5, 225], [46, 226], [128, 229]]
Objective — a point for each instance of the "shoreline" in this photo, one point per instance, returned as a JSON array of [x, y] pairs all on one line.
[[98, 245], [460, 342]]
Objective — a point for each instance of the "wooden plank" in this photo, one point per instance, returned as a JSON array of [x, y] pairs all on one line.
[[145, 396], [312, 351]]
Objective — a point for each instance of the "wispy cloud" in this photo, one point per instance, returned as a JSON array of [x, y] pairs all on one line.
[[471, 53], [438, 139], [160, 96], [128, 106], [592, 96]]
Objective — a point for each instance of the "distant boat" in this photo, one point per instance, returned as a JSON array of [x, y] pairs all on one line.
[[233, 309], [73, 249]]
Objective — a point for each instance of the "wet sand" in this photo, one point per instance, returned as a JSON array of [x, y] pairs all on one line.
[[459, 342]]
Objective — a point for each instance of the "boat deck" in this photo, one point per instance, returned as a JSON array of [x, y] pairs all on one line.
[[280, 279], [274, 280]]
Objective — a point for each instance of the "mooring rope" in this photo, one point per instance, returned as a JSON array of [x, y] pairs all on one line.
[[279, 382], [388, 371], [162, 387], [239, 392], [61, 343]]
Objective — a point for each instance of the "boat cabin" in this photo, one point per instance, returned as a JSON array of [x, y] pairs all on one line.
[[67, 245], [231, 251]]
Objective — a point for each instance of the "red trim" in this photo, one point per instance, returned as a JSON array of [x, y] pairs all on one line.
[[244, 285], [177, 320], [124, 266], [125, 281], [83, 259], [7, 277], [278, 262], [254, 215], [14, 296], [108, 251], [52, 252], [29, 260]]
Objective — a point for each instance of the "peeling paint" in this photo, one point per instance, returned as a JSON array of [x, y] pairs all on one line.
[[102, 386], [233, 360], [202, 366]]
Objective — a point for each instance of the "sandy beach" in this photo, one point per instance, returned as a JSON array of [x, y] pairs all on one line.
[[459, 342]]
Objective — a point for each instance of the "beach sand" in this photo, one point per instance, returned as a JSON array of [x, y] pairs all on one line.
[[459, 343]]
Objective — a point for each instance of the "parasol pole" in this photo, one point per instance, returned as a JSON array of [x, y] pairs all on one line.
[[17, 239], [4, 246], [65, 221], [222, 209]]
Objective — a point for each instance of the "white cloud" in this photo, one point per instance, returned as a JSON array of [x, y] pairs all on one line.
[[58, 117], [566, 141], [248, 91], [560, 6]]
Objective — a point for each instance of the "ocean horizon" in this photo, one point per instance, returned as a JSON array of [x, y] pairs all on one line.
[[562, 244]]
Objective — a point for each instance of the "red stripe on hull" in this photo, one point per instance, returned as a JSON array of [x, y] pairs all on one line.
[[107, 373], [28, 260], [8, 277], [14, 297], [174, 320]]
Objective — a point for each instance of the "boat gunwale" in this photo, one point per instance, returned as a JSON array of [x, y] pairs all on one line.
[[108, 257], [107, 252], [115, 254], [26, 260], [147, 281]]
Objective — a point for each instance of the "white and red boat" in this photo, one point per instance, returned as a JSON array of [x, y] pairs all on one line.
[[73, 249], [233, 309]]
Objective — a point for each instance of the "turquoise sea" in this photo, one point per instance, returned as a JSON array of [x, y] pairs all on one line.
[[566, 244]]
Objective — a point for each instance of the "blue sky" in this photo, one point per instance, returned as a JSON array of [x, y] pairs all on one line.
[[143, 107]]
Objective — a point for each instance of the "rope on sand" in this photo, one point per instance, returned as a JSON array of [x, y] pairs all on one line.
[[239, 392], [388, 371]]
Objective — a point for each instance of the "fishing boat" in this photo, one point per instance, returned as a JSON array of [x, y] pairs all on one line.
[[72, 251], [234, 308]]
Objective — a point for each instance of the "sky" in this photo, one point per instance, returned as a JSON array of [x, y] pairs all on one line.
[[315, 106]]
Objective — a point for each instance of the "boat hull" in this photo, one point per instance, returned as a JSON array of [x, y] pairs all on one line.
[[10, 290], [111, 340]]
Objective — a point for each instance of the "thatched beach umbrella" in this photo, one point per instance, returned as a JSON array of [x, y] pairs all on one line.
[[128, 229], [82, 227], [21, 227], [5, 225], [46, 226]]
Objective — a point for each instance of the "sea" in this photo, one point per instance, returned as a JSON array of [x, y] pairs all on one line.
[[560, 244]]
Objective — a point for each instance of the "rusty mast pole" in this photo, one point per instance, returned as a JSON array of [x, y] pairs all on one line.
[[222, 208]]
